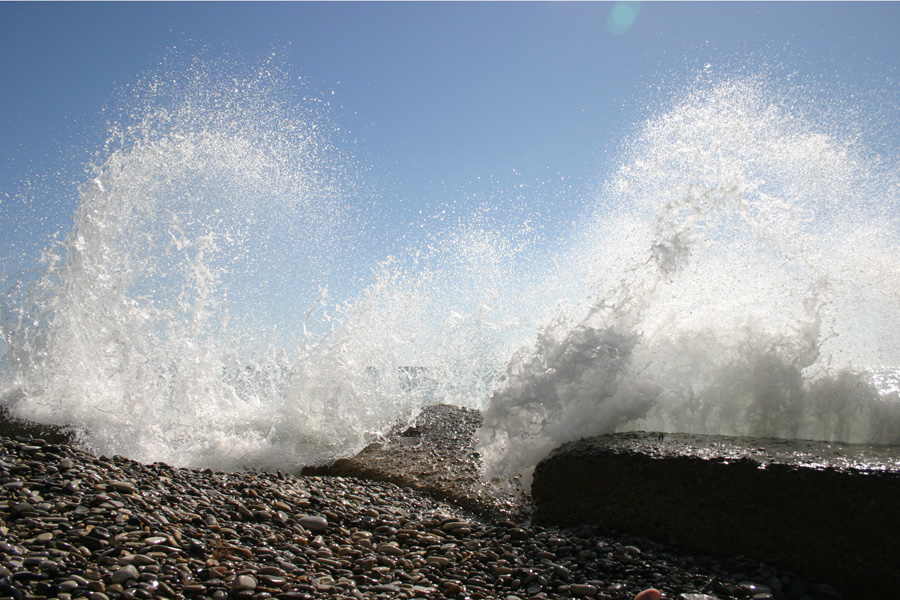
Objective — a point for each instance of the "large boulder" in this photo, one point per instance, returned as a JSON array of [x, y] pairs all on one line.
[[826, 511]]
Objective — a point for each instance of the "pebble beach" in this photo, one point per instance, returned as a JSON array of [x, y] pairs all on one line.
[[75, 525]]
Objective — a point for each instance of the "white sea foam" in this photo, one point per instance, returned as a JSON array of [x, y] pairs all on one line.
[[754, 285]]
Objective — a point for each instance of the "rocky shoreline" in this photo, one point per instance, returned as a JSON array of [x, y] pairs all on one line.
[[78, 526]]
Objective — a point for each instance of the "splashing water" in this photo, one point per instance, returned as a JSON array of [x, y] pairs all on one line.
[[151, 328], [185, 319], [744, 281], [738, 276]]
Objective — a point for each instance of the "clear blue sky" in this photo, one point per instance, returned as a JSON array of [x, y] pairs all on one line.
[[440, 101]]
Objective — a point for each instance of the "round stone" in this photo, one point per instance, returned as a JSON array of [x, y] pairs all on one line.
[[126, 573], [390, 549], [244, 582], [122, 487], [313, 523], [582, 589], [438, 561], [154, 540]]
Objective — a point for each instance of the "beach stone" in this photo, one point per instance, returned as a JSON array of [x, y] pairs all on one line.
[[438, 561], [154, 540], [649, 594], [122, 486], [126, 573], [143, 560], [244, 582], [390, 549], [579, 589], [316, 524]]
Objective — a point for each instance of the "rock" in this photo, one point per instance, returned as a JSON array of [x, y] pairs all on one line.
[[752, 588], [126, 573], [155, 539], [436, 455], [649, 594], [122, 486], [315, 524], [793, 503], [12, 427], [438, 561], [579, 589], [244, 582], [390, 549]]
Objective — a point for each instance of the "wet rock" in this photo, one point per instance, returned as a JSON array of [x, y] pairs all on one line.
[[126, 573], [244, 582], [782, 502], [436, 454], [122, 486], [580, 589], [313, 523]]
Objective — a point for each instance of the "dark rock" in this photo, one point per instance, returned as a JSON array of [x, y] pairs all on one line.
[[805, 505], [314, 523], [436, 455]]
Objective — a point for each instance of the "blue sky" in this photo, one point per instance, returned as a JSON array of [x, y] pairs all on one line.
[[441, 102]]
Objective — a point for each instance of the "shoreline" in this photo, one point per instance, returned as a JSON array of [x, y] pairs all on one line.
[[75, 525]]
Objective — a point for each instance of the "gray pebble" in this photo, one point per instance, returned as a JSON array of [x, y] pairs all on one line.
[[126, 573], [244, 582]]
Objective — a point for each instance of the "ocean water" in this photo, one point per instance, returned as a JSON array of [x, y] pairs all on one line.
[[223, 298]]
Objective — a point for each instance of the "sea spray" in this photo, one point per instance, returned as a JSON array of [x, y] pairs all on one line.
[[205, 308], [213, 304], [156, 328], [435, 327], [749, 299]]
